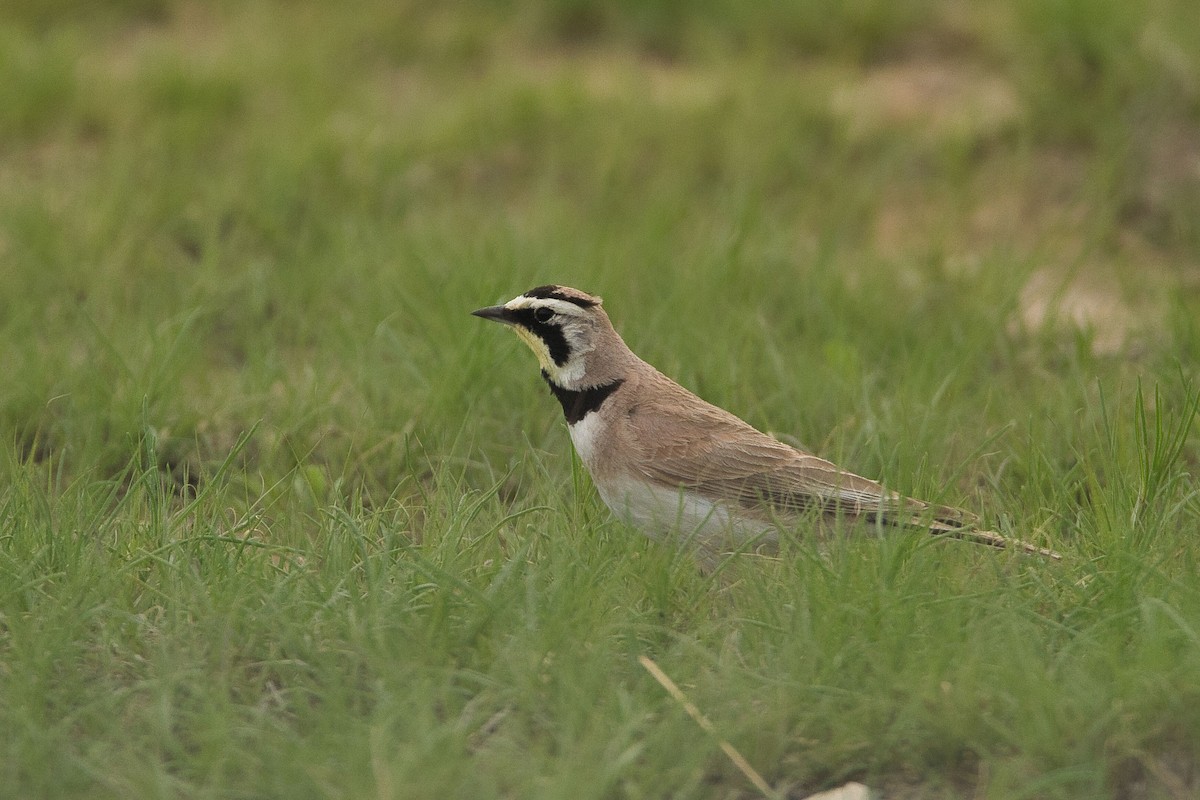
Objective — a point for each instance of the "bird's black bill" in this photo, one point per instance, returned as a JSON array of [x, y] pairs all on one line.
[[496, 314]]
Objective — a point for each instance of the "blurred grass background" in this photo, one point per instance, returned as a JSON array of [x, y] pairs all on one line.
[[277, 506]]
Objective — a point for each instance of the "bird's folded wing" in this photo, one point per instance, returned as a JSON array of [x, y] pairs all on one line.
[[726, 460], [714, 453]]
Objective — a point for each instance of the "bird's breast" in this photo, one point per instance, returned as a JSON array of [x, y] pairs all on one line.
[[587, 434]]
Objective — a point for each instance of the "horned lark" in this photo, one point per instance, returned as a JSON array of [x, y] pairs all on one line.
[[669, 463]]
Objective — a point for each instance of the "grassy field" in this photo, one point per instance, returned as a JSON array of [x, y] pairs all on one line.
[[278, 518]]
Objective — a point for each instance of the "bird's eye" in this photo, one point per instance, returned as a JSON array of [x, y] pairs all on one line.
[[543, 314]]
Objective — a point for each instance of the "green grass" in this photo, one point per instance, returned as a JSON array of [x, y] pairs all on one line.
[[278, 518]]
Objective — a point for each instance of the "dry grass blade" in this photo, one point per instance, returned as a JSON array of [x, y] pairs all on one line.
[[993, 539], [737, 758]]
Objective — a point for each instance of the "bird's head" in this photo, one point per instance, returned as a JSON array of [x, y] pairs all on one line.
[[567, 330]]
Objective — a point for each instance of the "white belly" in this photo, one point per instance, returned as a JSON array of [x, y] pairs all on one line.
[[662, 511]]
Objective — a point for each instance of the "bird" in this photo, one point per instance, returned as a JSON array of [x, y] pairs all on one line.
[[673, 465]]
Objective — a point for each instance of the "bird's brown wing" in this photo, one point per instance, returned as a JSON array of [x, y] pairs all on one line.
[[707, 450], [723, 458]]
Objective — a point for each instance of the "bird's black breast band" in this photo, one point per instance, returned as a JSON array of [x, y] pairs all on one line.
[[578, 403]]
